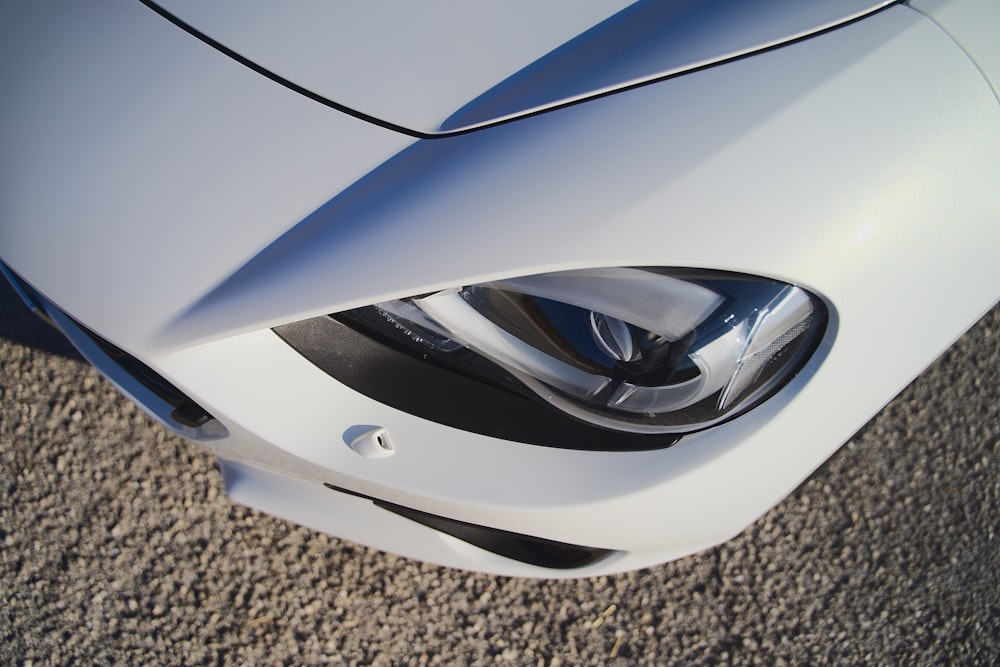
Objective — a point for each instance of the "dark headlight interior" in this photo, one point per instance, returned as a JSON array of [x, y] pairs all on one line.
[[621, 358]]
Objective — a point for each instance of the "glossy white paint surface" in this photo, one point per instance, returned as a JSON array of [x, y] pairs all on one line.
[[410, 63], [973, 26], [141, 166], [444, 65], [861, 164]]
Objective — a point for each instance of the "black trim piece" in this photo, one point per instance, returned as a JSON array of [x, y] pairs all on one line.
[[432, 392], [516, 546], [28, 296], [280, 80], [186, 412]]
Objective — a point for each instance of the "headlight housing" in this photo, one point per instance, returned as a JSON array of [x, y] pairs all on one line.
[[633, 351]]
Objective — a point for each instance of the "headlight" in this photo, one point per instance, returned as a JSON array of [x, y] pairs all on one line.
[[637, 350]]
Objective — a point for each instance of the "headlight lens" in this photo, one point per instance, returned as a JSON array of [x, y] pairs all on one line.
[[642, 350]]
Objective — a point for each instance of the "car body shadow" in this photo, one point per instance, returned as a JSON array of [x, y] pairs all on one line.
[[19, 325]]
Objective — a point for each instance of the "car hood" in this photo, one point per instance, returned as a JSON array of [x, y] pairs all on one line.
[[441, 67]]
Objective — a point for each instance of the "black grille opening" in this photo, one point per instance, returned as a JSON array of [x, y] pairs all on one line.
[[183, 411], [516, 546]]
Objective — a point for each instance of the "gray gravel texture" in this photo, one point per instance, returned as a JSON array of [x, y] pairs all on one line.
[[118, 546]]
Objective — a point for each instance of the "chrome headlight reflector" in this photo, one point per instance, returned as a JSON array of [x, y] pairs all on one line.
[[633, 350]]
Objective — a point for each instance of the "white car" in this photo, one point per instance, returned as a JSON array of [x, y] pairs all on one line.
[[540, 289]]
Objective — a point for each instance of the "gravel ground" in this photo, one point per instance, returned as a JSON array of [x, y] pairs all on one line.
[[118, 546]]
